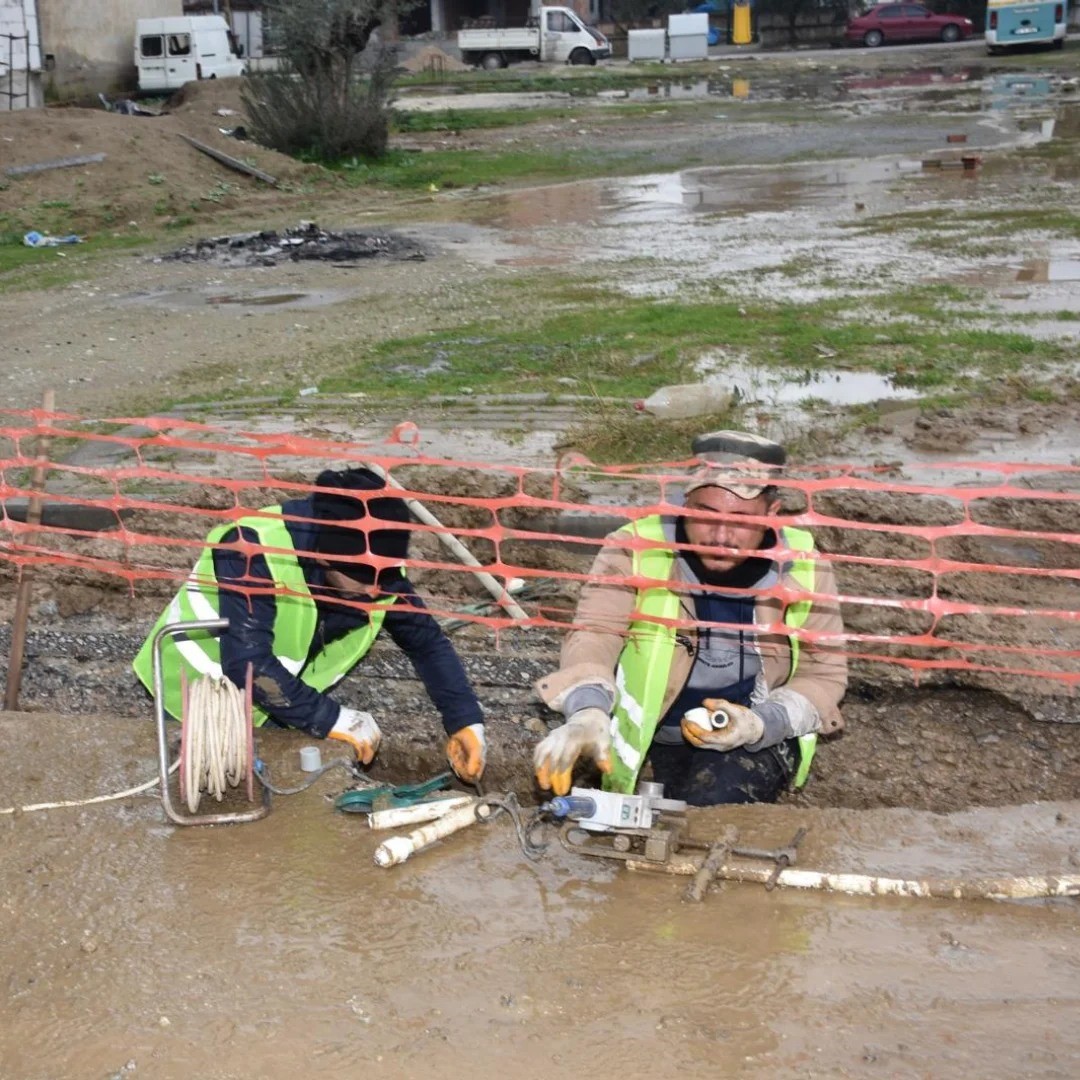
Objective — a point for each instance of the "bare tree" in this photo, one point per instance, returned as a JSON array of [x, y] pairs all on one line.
[[330, 97]]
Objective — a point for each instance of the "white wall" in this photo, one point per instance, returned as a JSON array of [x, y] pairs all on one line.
[[92, 42], [20, 56]]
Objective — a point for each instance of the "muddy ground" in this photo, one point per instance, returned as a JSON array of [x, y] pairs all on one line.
[[134, 948]]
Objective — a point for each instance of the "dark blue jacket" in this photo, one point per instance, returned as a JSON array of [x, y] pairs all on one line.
[[291, 702]]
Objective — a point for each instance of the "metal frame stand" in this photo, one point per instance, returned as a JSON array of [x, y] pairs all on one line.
[[175, 815]]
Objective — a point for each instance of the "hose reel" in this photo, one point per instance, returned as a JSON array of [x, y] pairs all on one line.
[[217, 738]]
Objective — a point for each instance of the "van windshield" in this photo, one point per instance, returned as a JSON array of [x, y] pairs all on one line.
[[562, 22]]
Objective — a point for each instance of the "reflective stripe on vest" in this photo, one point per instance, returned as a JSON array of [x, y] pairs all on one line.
[[641, 676], [295, 619]]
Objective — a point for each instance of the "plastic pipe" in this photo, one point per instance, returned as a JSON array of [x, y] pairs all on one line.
[[414, 815], [1003, 888], [397, 849]]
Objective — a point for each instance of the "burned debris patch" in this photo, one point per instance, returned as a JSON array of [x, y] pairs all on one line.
[[307, 241]]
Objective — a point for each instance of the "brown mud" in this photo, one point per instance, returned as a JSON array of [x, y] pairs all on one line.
[[136, 948]]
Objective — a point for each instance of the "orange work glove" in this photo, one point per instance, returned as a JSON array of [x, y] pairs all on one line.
[[466, 751], [721, 725], [587, 733], [360, 731]]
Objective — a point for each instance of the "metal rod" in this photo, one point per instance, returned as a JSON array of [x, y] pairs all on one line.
[[498, 591], [22, 596]]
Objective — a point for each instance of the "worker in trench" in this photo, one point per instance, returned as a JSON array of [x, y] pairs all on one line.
[[722, 671], [290, 580]]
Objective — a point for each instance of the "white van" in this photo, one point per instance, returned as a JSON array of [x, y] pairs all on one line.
[[174, 51]]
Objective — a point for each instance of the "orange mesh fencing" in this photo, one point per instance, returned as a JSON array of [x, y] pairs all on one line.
[[952, 567]]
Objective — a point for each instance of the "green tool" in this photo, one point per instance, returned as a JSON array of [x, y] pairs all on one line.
[[368, 800]]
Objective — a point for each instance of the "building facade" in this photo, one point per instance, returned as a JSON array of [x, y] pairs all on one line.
[[21, 85], [89, 45]]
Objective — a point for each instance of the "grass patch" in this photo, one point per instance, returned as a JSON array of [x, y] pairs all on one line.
[[442, 169], [613, 346], [994, 223], [45, 268], [611, 433], [456, 120]]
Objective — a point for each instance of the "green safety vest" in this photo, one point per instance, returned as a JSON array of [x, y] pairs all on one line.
[[641, 676], [199, 652]]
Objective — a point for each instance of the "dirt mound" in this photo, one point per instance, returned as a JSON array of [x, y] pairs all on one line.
[[149, 177], [434, 60]]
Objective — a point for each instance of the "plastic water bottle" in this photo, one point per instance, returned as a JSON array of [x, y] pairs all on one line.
[[692, 399]]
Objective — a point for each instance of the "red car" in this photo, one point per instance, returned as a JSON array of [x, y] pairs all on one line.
[[905, 22]]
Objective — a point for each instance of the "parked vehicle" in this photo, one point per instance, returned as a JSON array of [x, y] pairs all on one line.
[[555, 34], [894, 23], [173, 51], [1010, 23]]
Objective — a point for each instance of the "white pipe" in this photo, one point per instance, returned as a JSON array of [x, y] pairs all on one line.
[[501, 594], [414, 815], [397, 849], [1004, 888]]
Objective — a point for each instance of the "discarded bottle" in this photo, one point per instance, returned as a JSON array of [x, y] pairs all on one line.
[[692, 399]]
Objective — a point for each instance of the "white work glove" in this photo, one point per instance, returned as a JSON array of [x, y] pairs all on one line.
[[466, 750], [587, 733], [360, 731], [721, 725]]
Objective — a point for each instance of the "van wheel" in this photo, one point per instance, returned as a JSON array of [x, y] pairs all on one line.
[[492, 61], [582, 56], [873, 38], [950, 33], [1059, 43]]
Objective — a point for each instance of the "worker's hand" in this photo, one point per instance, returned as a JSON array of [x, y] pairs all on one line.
[[721, 725], [466, 751], [586, 734], [360, 731]]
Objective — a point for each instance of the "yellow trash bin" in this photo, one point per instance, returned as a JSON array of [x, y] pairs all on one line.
[[741, 32]]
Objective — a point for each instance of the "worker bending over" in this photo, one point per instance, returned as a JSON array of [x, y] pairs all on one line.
[[284, 578]]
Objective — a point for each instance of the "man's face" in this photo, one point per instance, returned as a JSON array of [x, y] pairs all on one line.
[[717, 518]]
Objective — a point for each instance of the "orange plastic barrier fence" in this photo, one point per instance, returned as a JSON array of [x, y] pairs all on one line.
[[952, 566]]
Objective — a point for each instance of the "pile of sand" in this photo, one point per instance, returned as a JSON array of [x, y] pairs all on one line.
[[434, 61]]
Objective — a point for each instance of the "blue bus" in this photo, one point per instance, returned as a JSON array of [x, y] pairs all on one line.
[[1010, 23]]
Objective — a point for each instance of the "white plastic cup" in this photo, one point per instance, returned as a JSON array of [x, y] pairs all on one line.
[[310, 759]]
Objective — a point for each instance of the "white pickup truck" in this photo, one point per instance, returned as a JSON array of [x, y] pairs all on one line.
[[555, 34]]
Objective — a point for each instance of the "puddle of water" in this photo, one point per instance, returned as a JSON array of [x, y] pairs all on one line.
[[181, 298], [1016, 91], [689, 91], [777, 387], [759, 189], [1047, 270], [259, 301], [917, 77]]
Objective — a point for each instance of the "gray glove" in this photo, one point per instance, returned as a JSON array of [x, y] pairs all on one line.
[[587, 733]]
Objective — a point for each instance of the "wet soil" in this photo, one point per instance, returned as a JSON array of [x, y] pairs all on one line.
[[136, 948]]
